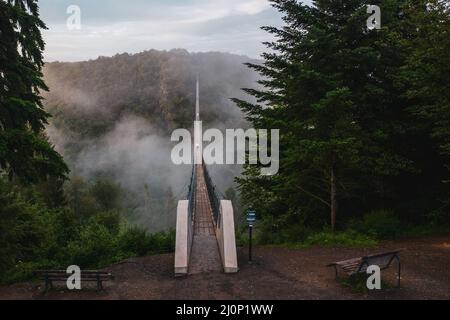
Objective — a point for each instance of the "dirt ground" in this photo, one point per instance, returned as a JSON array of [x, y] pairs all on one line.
[[278, 273]]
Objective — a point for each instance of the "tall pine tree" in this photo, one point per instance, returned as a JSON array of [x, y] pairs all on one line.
[[424, 78], [24, 150], [329, 87]]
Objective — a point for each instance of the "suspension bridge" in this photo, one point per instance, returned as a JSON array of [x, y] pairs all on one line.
[[205, 231]]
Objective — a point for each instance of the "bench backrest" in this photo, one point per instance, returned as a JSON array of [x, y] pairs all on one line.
[[63, 275], [382, 260]]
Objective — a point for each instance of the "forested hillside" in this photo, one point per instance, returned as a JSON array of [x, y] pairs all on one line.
[[112, 120], [158, 86], [113, 117]]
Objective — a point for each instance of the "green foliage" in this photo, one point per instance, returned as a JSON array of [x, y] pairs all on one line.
[[297, 236], [87, 200], [426, 70], [416, 231], [8, 218], [24, 150], [111, 220], [363, 115], [156, 86], [107, 195], [23, 235], [163, 242], [33, 236], [137, 242], [294, 233], [95, 247], [25, 270], [347, 239], [242, 237], [441, 216], [378, 224], [356, 283]]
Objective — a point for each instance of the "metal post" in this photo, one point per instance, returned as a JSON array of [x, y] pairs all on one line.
[[399, 272], [250, 257], [251, 219]]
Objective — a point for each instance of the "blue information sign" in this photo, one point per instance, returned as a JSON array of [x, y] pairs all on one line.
[[251, 217]]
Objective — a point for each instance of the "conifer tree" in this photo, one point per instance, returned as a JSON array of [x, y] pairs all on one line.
[[24, 150], [329, 88]]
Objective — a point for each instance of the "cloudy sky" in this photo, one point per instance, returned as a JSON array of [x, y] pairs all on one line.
[[109, 27]]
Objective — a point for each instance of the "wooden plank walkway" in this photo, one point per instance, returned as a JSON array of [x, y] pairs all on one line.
[[205, 256]]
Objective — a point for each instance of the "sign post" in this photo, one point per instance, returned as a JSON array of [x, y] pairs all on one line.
[[251, 219]]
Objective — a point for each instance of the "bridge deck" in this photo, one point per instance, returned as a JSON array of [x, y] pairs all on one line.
[[205, 256]]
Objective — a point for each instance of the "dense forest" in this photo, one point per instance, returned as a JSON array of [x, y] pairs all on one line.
[[364, 118], [158, 86], [113, 118], [86, 176]]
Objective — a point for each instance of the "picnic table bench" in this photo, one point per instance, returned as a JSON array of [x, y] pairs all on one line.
[[359, 265], [50, 276]]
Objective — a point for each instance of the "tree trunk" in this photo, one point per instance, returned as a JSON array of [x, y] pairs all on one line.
[[333, 198]]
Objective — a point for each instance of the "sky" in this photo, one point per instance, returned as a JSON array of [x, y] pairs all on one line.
[[109, 27]]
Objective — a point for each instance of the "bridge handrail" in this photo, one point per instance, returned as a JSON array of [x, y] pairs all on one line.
[[213, 195], [192, 192]]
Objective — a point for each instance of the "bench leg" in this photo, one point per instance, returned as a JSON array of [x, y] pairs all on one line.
[[399, 271], [48, 285], [336, 272], [99, 285]]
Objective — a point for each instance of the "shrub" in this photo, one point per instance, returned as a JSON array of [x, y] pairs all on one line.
[[107, 195], [413, 231], [110, 220], [95, 248], [269, 232], [24, 234], [441, 217], [163, 242], [25, 270], [242, 237], [347, 238], [135, 242], [379, 224], [32, 236]]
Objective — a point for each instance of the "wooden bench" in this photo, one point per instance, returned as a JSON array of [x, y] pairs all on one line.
[[359, 265], [50, 276]]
